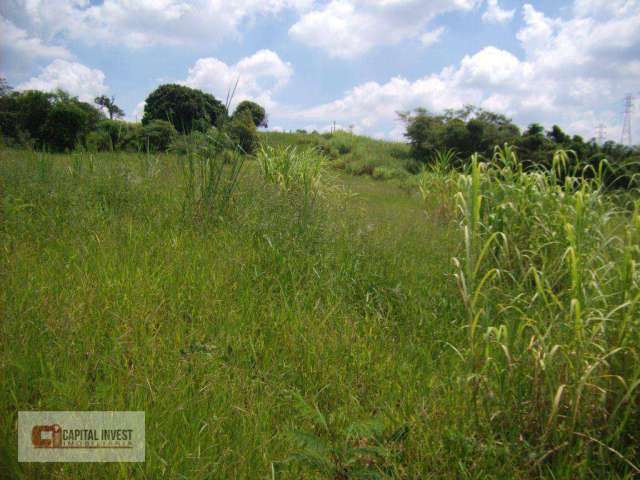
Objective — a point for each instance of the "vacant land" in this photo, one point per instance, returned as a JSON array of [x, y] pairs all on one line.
[[319, 328]]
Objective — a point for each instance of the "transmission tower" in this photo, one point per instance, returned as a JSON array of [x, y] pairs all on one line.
[[601, 131], [626, 123]]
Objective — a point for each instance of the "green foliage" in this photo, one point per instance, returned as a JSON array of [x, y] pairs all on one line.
[[545, 280], [257, 112], [157, 135], [186, 108], [524, 366], [242, 131], [65, 122], [292, 169], [388, 173], [424, 132], [99, 141], [31, 112], [473, 130], [211, 174], [32, 118], [110, 105], [354, 154], [115, 132], [467, 130], [366, 449]]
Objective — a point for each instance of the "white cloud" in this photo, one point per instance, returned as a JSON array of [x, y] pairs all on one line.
[[147, 22], [574, 73], [539, 31], [495, 14], [432, 37], [77, 79], [607, 8], [27, 46], [258, 77], [347, 28]]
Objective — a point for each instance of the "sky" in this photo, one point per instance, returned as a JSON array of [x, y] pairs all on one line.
[[354, 62]]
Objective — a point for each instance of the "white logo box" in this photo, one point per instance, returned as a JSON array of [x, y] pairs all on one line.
[[107, 436]]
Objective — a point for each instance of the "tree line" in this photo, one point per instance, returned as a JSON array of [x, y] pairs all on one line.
[[471, 129], [58, 122]]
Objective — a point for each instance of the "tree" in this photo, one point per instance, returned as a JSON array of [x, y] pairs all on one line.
[[8, 110], [534, 147], [242, 131], [110, 105], [32, 110], [63, 126], [186, 108], [425, 133], [257, 112], [557, 135], [5, 88]]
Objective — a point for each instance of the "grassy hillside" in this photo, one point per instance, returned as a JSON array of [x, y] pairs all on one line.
[[355, 154], [305, 323]]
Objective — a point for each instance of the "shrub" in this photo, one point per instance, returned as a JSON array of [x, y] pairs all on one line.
[[257, 113], [326, 149], [387, 173], [344, 148], [342, 143], [360, 167], [213, 141], [242, 132], [116, 131], [157, 135], [98, 141]]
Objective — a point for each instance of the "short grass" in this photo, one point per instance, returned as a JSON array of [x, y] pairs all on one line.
[[261, 342]]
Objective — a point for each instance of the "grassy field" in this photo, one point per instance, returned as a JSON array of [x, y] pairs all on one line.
[[314, 325]]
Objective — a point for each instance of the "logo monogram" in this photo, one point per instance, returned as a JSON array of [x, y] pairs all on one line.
[[39, 442]]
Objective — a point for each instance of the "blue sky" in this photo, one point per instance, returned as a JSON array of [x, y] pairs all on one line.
[[355, 62]]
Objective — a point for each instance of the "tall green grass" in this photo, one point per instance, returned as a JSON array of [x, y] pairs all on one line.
[[211, 173], [548, 278], [338, 343]]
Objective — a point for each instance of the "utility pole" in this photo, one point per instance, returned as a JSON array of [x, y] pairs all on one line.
[[601, 132], [626, 123]]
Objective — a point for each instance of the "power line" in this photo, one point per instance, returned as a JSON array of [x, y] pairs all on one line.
[[626, 123]]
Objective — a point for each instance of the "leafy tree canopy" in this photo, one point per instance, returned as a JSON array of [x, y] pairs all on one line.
[[186, 108], [256, 111], [109, 104]]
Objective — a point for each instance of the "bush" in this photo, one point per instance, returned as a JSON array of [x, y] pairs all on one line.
[[387, 173], [326, 149], [116, 130], [157, 135], [213, 141], [257, 113], [242, 132], [359, 167], [343, 143], [98, 141]]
